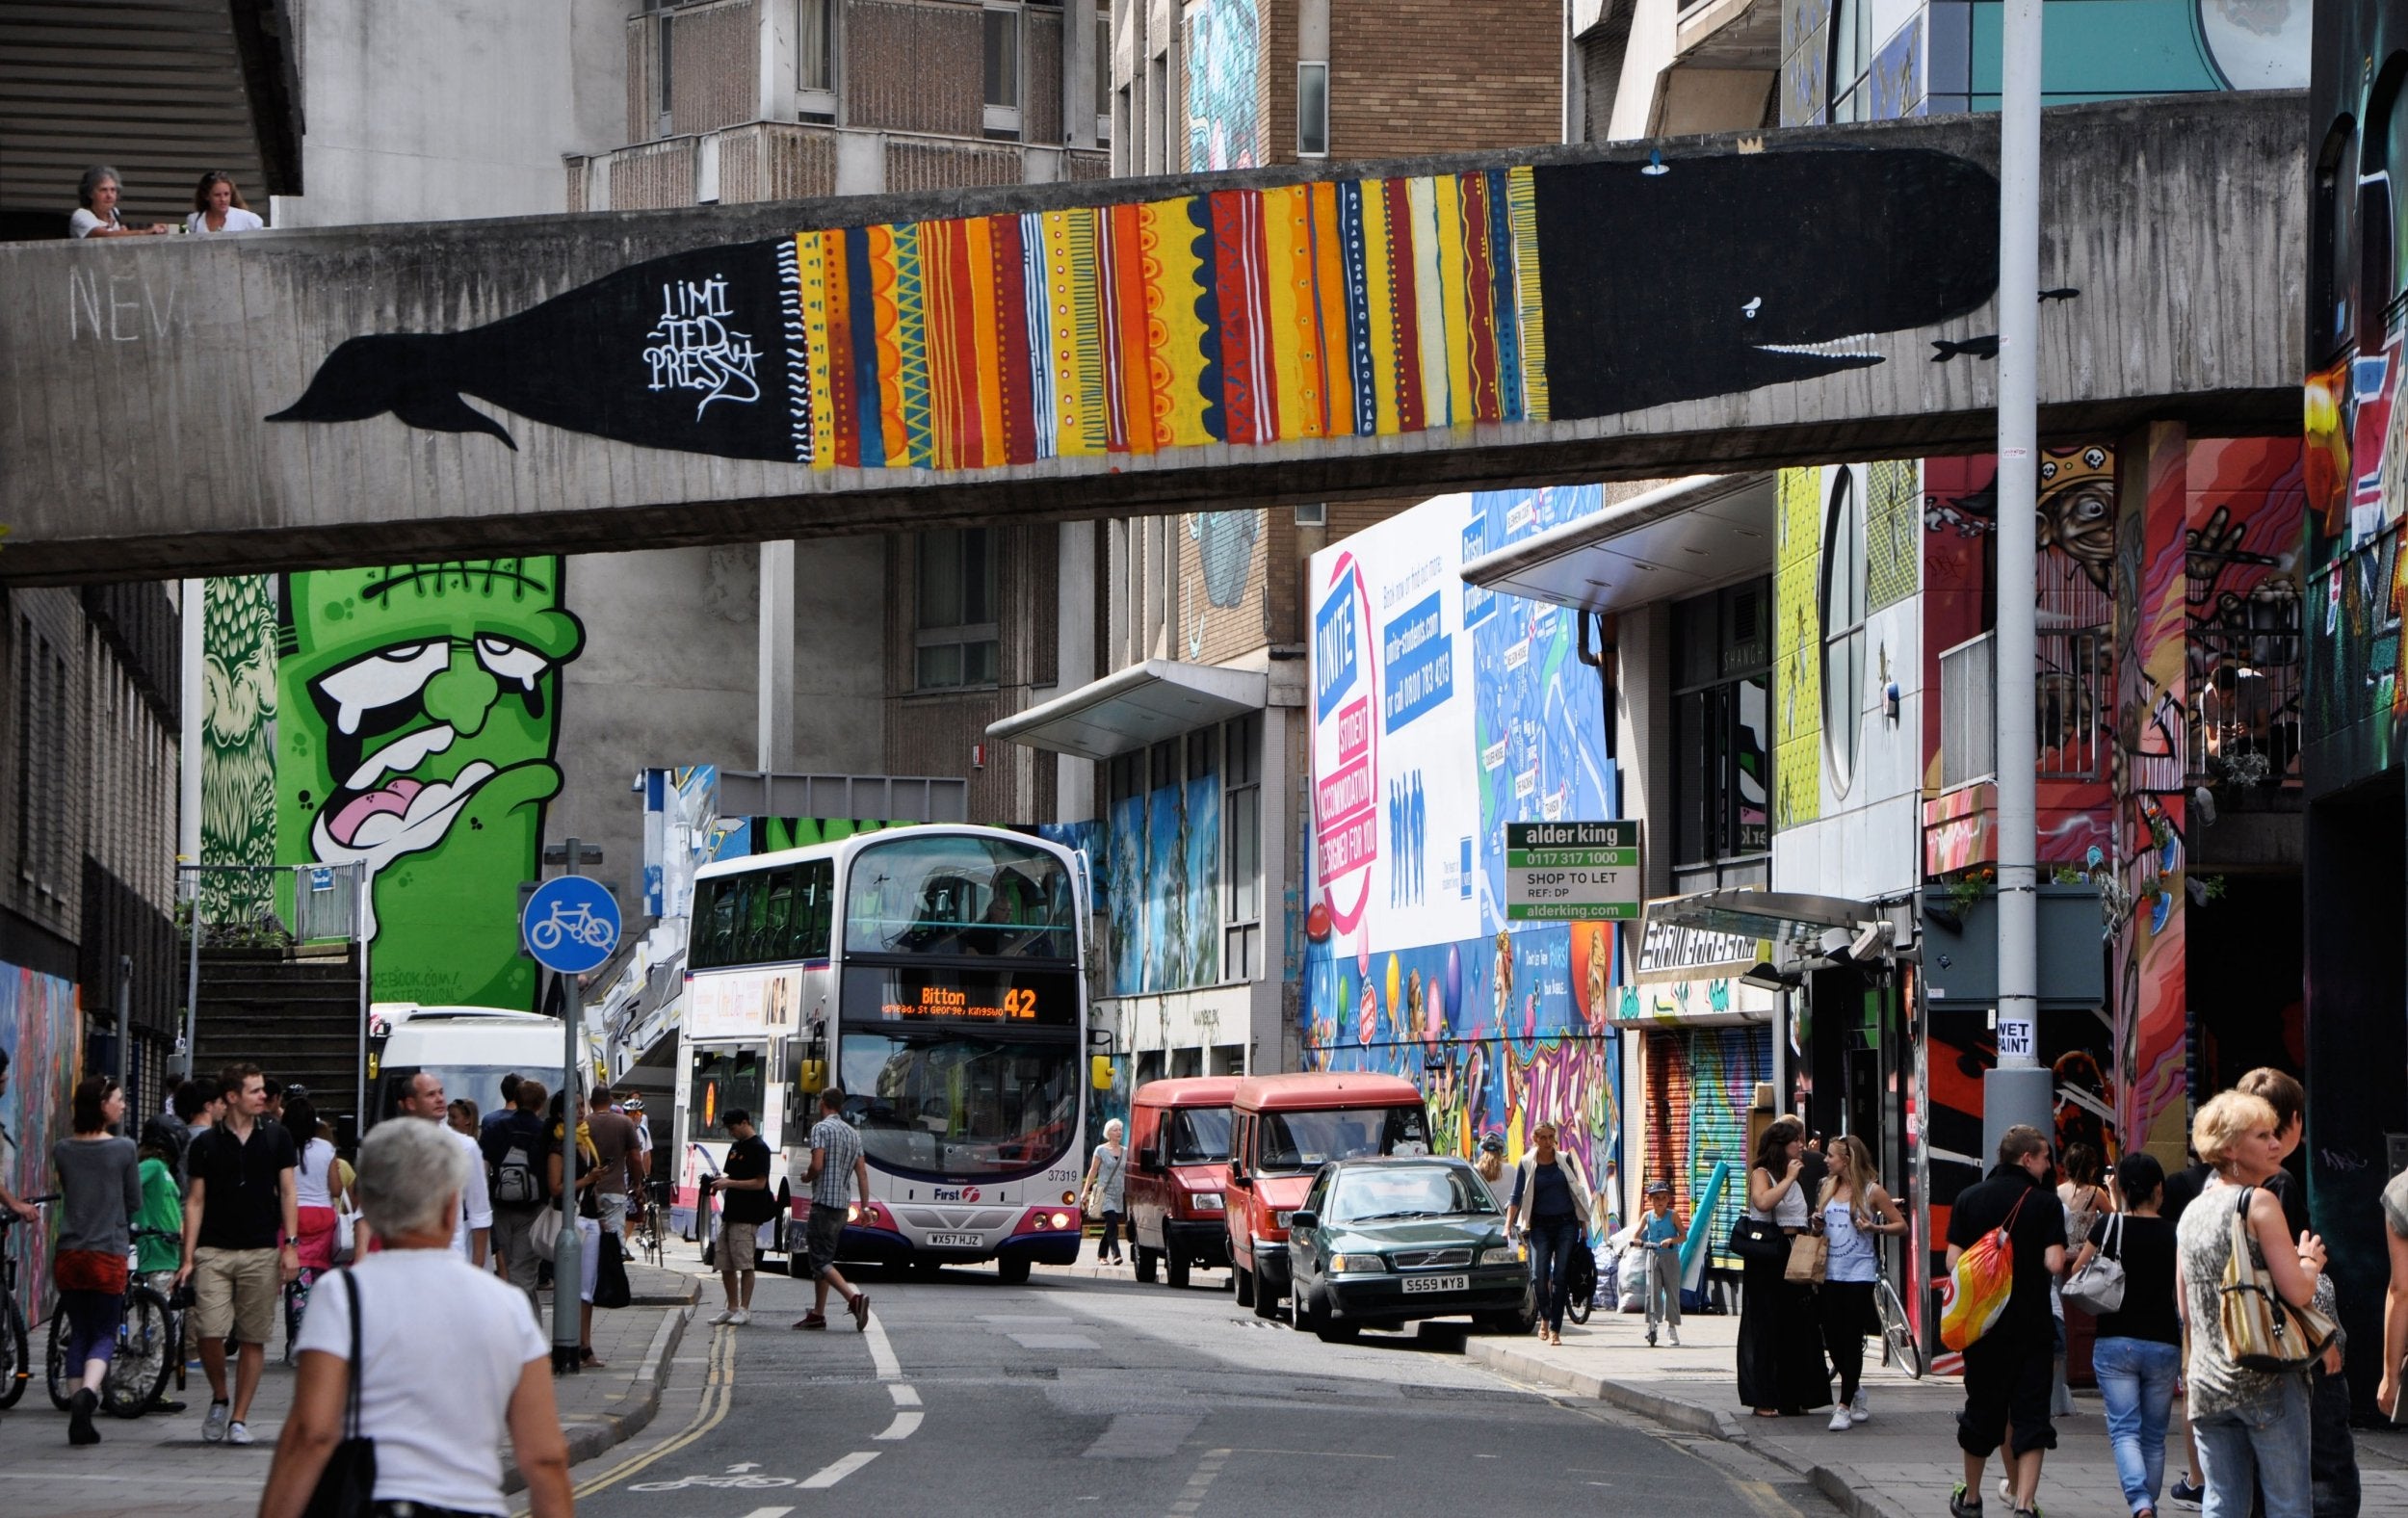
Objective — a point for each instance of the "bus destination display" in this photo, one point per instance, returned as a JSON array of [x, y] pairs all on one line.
[[1043, 999]]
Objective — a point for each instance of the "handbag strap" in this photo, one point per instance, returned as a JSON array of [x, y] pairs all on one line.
[[350, 1402]]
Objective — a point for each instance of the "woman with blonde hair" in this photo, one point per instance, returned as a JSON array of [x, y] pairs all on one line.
[[2252, 1426], [1854, 1208]]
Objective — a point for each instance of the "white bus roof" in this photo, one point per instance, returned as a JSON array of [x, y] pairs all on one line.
[[842, 847]]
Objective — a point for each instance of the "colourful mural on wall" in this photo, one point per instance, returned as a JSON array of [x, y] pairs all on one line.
[[238, 743], [1440, 713], [1797, 651], [2356, 704], [2247, 519], [42, 1033], [1163, 889], [420, 719], [1341, 308], [1222, 42]]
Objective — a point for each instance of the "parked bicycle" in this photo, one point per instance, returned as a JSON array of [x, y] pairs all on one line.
[[138, 1372], [179, 1300], [652, 1222], [1898, 1333], [17, 1366]]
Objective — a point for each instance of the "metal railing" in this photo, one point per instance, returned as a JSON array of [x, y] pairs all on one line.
[[271, 906], [1968, 712]]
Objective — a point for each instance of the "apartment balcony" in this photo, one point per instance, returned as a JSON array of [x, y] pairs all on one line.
[[795, 161]]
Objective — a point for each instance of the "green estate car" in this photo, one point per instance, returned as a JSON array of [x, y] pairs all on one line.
[[1381, 1241]]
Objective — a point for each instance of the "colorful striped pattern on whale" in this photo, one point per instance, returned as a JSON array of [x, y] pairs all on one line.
[[1240, 316]]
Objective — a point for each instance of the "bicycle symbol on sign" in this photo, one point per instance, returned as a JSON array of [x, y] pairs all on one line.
[[579, 926]]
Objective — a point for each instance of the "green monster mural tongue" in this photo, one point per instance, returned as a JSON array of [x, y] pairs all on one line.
[[417, 719]]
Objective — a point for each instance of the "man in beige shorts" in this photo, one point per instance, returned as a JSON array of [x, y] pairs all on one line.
[[242, 1193]]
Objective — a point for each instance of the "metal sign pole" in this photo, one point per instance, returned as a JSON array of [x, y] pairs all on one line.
[[359, 935], [568, 1254], [125, 1042], [192, 980]]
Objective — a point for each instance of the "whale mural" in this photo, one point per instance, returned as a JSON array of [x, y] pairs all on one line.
[[1245, 315]]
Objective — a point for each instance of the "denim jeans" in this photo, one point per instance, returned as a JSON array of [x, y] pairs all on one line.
[[1551, 1266], [2137, 1382], [2265, 1442]]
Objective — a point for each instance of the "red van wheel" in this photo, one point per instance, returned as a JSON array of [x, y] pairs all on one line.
[[1244, 1281]]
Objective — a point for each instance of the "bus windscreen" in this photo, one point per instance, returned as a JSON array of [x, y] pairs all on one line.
[[941, 1107], [947, 894]]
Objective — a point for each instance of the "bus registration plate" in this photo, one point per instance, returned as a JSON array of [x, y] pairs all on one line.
[[1417, 1284], [953, 1241]]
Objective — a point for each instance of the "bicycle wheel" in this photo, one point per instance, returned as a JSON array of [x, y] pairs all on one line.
[[15, 1368], [138, 1374], [1580, 1295], [62, 1385], [1897, 1334]]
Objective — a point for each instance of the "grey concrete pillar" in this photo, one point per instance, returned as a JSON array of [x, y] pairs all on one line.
[[774, 729]]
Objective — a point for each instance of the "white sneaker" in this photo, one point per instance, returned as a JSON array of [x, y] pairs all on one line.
[[1840, 1420], [238, 1434], [1859, 1411], [740, 1317], [213, 1426], [725, 1314], [1676, 1338]]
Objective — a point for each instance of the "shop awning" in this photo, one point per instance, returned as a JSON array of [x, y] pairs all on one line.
[[1784, 916], [1133, 707], [1675, 541]]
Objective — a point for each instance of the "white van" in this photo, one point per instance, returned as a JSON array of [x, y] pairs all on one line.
[[470, 1047]]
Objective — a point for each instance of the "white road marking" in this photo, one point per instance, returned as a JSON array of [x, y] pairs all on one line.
[[889, 1368], [1054, 1341], [905, 1424], [905, 1395], [829, 1475], [769, 1512]]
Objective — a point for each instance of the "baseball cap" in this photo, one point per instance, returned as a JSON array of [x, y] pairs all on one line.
[[1653, 1187], [1492, 1144]]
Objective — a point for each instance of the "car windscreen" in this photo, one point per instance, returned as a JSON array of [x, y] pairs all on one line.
[[1308, 1140], [1373, 1193], [1199, 1134]]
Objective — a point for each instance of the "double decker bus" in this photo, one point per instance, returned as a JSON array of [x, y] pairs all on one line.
[[932, 972]]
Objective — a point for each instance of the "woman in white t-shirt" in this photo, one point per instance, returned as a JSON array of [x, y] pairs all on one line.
[[96, 208], [218, 208], [317, 1190], [436, 1433]]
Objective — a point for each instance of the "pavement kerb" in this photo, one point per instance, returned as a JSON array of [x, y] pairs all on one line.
[[591, 1435], [1839, 1484]]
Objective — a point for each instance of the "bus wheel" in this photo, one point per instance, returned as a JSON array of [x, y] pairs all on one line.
[[1146, 1262], [1175, 1270], [1013, 1272], [925, 1266], [1241, 1281]]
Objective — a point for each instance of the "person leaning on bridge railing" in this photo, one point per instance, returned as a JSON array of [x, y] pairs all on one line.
[[96, 208], [218, 208]]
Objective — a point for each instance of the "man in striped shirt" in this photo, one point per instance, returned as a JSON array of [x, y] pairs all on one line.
[[837, 1169]]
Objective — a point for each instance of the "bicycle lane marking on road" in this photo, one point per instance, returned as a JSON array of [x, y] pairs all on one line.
[[836, 1471], [718, 1394]]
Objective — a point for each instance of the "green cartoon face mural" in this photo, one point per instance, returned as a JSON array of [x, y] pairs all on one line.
[[419, 711]]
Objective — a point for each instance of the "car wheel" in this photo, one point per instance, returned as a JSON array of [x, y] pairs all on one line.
[[1146, 1262], [1175, 1270], [1242, 1282], [1300, 1316]]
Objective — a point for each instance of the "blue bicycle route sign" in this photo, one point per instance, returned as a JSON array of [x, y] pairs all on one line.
[[570, 924]]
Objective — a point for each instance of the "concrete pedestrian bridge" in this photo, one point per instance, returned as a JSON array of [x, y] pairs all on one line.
[[368, 395]]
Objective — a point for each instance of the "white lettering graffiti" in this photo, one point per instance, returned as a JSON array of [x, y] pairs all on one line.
[[692, 348]]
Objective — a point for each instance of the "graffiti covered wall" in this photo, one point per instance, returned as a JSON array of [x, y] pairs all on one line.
[[1441, 713], [43, 1033], [1227, 126], [238, 743], [419, 721], [1339, 308]]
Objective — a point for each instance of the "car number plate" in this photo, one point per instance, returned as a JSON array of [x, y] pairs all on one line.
[[1417, 1284], [955, 1241]]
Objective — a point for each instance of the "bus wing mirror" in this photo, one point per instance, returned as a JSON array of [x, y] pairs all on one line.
[[1100, 1071]]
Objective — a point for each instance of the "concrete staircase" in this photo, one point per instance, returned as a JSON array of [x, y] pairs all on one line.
[[293, 1012]]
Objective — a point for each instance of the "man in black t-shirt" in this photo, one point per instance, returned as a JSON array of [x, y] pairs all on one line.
[[2008, 1368], [242, 1194], [744, 1183]]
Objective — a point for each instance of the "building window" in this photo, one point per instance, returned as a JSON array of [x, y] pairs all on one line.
[[1003, 69], [1242, 825], [1722, 725], [667, 32], [956, 644], [1312, 110], [815, 52], [41, 731], [1843, 627], [1103, 76], [1851, 61]]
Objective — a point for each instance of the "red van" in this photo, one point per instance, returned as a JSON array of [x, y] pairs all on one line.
[[1179, 1174], [1283, 1129]]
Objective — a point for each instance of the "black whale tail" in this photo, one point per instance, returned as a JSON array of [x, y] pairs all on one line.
[[402, 374]]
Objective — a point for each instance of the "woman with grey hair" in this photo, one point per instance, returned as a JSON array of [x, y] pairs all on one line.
[[435, 1434], [96, 208], [1107, 1180]]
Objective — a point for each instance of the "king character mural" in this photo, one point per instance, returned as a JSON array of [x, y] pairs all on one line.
[[419, 716]]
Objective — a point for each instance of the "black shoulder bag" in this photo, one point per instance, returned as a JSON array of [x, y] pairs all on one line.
[[347, 1488]]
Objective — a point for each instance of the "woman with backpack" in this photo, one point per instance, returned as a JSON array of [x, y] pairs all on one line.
[[2138, 1355], [2252, 1426]]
